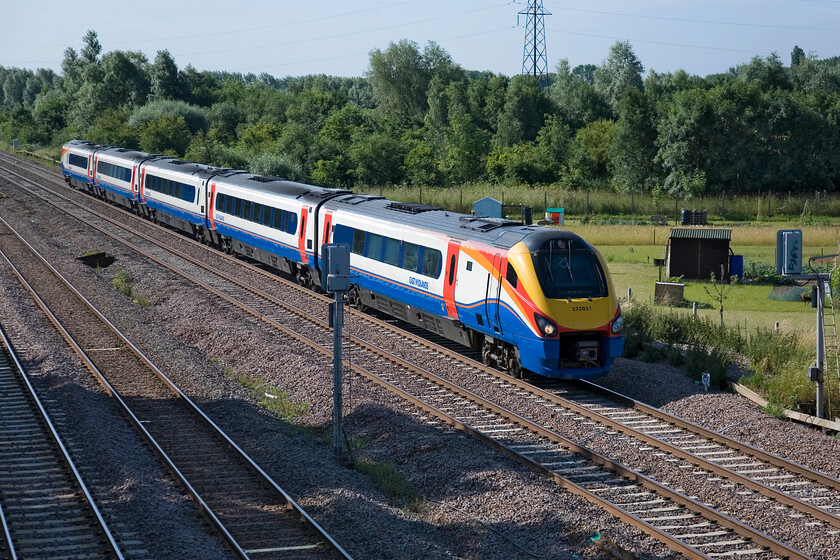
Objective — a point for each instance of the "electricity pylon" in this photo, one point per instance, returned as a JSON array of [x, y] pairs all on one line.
[[534, 59]]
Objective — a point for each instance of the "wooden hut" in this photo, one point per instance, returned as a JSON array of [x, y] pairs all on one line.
[[696, 253]]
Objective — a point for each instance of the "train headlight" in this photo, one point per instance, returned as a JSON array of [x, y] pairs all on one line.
[[618, 324], [546, 327]]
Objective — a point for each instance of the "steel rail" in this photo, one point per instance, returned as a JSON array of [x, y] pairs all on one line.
[[59, 444], [746, 448], [203, 507], [7, 538]]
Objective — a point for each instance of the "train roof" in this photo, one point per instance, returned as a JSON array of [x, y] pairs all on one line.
[[83, 144], [131, 155], [280, 186], [496, 231], [187, 167]]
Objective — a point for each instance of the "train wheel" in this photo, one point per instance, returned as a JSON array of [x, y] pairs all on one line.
[[487, 353], [515, 367]]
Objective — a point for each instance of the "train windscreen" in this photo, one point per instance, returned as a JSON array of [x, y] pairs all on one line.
[[569, 269]]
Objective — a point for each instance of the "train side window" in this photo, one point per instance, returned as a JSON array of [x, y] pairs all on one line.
[[267, 210], [78, 161], [451, 269], [291, 226], [246, 209], [237, 207], [374, 247], [189, 193], [257, 213], [220, 202], [511, 275], [392, 251], [229, 201], [431, 262], [411, 257], [358, 242], [280, 218]]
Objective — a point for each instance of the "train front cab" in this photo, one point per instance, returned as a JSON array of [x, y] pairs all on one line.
[[77, 164], [574, 306]]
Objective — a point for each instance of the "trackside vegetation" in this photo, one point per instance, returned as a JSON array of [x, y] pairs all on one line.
[[775, 360], [607, 139]]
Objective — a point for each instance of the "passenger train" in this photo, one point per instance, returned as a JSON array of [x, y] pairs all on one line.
[[531, 298]]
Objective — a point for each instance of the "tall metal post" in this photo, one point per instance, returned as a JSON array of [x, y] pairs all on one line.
[[335, 278], [820, 348], [338, 383]]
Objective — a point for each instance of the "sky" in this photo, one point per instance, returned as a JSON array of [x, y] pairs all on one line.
[[295, 37]]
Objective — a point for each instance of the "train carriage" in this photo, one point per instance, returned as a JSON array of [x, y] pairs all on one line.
[[174, 192], [531, 298], [117, 174], [269, 219], [77, 164]]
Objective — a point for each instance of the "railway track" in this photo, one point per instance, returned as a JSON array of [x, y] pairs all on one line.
[[46, 510], [248, 509], [480, 372]]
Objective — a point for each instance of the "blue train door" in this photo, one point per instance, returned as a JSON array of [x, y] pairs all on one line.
[[494, 290]]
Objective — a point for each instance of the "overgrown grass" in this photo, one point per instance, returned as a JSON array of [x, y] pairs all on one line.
[[392, 483], [609, 206], [269, 396], [778, 359], [122, 283]]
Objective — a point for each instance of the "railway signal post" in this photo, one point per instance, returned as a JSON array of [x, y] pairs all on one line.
[[335, 279], [789, 264]]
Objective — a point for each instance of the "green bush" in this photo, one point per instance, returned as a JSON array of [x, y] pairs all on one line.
[[194, 117]]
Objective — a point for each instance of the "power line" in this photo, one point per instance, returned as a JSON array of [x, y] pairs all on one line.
[[702, 21], [664, 43], [345, 34]]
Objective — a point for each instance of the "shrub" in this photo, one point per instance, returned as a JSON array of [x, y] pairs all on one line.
[[194, 117]]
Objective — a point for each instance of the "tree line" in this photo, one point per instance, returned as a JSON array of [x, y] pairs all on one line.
[[419, 118]]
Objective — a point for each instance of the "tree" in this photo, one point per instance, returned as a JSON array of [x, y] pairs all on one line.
[[400, 76], [768, 73], [576, 100], [553, 147], [164, 77], [621, 72], [633, 148], [92, 48], [375, 158], [797, 56], [721, 290], [524, 112], [194, 117], [588, 161], [124, 82], [165, 135], [466, 149]]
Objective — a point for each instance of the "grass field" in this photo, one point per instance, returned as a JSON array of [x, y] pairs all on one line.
[[630, 251]]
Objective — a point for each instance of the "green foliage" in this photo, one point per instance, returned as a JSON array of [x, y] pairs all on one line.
[[597, 134], [276, 166], [194, 117], [392, 483], [122, 283], [777, 359], [166, 135], [270, 397]]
